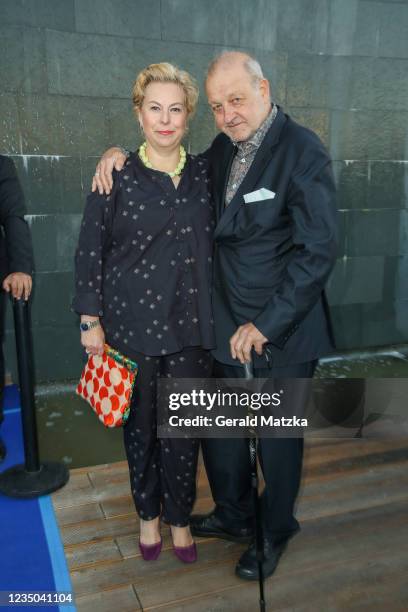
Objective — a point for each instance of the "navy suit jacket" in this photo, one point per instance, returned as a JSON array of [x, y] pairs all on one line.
[[16, 253], [273, 256]]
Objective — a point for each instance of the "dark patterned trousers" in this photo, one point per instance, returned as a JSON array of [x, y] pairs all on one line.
[[162, 471]]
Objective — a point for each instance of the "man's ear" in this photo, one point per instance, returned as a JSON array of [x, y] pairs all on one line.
[[265, 89]]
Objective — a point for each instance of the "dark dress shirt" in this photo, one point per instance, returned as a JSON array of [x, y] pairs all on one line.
[[245, 155], [143, 262]]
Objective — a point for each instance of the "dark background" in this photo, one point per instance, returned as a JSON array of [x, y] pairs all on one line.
[[338, 66]]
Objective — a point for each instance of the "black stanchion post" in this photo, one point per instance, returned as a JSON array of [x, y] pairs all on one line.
[[33, 478], [26, 379]]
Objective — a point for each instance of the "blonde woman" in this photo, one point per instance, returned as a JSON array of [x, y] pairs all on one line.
[[143, 286]]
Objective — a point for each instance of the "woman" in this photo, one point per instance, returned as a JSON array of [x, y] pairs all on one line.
[[143, 285]]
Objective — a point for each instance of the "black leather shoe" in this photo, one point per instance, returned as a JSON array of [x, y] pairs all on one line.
[[247, 566], [3, 450], [209, 525]]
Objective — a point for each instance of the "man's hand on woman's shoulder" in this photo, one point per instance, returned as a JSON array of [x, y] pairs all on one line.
[[102, 179]]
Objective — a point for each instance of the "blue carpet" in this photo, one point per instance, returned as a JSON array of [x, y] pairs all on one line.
[[31, 552]]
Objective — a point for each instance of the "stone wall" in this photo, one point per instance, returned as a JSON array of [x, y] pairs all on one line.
[[338, 66]]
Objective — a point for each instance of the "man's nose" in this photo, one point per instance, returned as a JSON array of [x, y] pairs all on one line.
[[228, 115]]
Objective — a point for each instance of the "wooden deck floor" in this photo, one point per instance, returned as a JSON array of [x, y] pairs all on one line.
[[352, 552]]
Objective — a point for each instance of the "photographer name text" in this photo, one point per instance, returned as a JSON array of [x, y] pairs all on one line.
[[247, 421]]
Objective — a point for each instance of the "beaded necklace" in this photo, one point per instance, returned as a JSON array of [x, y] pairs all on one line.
[[179, 168]]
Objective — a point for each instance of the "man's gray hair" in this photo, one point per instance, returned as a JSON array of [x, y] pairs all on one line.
[[250, 63], [254, 69]]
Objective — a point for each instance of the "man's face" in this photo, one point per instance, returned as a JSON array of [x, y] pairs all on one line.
[[239, 105]]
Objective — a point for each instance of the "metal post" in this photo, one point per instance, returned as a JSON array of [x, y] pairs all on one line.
[[26, 380], [259, 544], [33, 478]]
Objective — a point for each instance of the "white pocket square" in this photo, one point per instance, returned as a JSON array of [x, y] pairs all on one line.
[[259, 194]]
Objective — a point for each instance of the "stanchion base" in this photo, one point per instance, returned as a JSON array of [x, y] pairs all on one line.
[[18, 482]]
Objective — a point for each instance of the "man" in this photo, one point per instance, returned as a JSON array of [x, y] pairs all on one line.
[[275, 245], [16, 256]]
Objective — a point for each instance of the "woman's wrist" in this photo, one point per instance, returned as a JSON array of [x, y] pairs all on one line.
[[85, 317]]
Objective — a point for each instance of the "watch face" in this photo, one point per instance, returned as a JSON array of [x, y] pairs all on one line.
[[84, 326]]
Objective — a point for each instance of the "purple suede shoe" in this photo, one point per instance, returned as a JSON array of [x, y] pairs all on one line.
[[150, 552], [186, 554]]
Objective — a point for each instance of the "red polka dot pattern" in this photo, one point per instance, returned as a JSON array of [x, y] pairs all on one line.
[[107, 387]]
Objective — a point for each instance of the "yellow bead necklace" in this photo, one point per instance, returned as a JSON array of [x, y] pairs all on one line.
[[179, 168]]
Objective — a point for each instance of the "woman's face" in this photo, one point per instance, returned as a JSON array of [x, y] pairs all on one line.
[[163, 115]]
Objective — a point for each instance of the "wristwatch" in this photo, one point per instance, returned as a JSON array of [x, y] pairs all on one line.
[[87, 325]]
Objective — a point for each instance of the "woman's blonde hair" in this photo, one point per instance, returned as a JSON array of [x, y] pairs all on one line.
[[165, 73]]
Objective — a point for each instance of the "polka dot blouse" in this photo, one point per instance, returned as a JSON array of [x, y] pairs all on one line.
[[143, 262]]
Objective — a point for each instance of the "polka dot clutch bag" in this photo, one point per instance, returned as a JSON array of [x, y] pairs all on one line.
[[107, 384]]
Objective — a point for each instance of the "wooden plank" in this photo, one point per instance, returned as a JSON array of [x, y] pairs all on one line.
[[374, 492], [103, 478], [361, 489], [380, 588], [102, 467], [123, 599], [65, 497], [350, 464], [78, 514], [318, 544], [78, 479], [118, 573], [118, 506], [123, 547], [385, 472], [353, 510], [99, 530], [355, 447], [105, 489], [92, 553], [128, 545], [323, 552], [77, 486], [116, 501], [104, 482], [381, 486]]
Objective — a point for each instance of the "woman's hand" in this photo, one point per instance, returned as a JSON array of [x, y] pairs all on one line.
[[93, 340], [102, 180]]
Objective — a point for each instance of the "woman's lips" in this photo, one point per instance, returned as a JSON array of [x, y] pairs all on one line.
[[166, 132]]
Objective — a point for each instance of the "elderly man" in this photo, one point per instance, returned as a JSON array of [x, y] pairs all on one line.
[[275, 245], [16, 255]]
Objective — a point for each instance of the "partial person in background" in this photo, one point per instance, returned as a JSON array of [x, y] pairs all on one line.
[[275, 246], [143, 267], [16, 255]]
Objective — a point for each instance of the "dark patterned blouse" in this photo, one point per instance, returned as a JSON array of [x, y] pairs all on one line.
[[143, 262]]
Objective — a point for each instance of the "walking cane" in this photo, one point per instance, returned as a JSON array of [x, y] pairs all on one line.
[[249, 375]]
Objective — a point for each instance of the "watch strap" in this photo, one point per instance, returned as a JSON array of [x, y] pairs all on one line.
[[87, 325]]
